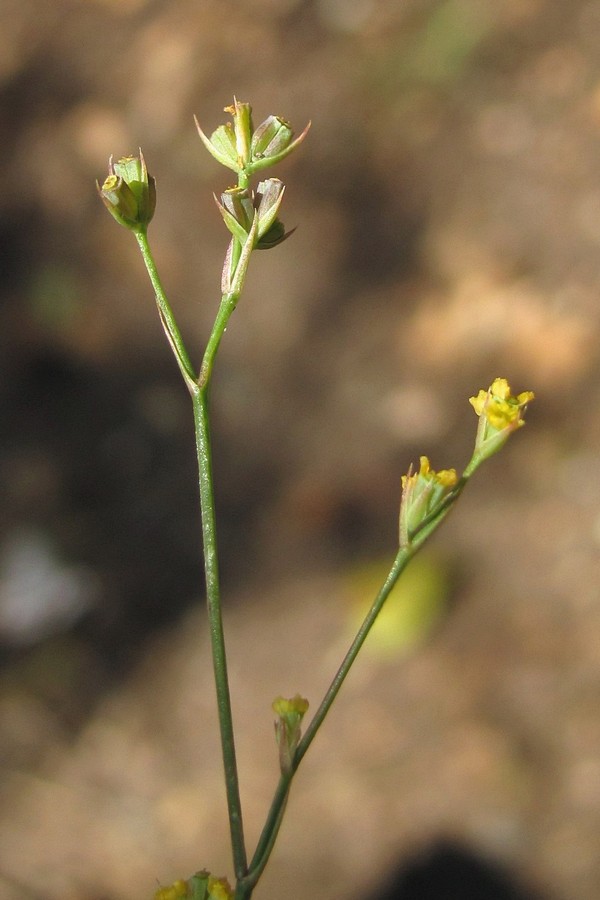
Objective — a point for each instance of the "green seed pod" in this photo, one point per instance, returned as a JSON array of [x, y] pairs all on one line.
[[271, 137], [269, 194], [237, 208], [129, 192]]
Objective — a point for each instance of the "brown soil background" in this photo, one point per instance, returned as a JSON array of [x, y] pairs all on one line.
[[448, 210]]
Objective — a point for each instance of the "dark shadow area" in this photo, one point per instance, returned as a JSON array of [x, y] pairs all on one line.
[[448, 871]]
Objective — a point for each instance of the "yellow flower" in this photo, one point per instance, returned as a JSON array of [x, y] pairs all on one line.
[[501, 409], [219, 889], [422, 492], [500, 413], [296, 706], [445, 477], [176, 891]]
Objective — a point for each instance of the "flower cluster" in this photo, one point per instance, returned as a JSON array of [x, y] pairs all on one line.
[[427, 496], [246, 151], [250, 215]]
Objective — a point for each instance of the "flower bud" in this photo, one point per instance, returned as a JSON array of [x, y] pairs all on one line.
[[422, 493], [500, 414], [129, 192], [287, 727]]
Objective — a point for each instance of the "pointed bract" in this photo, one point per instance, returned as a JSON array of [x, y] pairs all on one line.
[[221, 145], [260, 163]]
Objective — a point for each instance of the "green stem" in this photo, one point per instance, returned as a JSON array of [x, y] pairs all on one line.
[[199, 389], [245, 886], [200, 393], [275, 815], [166, 314], [435, 518], [217, 638], [402, 559], [228, 304]]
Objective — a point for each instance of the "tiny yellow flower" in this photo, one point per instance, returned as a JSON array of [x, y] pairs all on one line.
[[175, 891], [500, 407], [422, 492], [445, 477], [296, 706], [219, 889], [500, 413]]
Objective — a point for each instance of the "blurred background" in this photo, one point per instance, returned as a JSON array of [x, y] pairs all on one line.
[[448, 209]]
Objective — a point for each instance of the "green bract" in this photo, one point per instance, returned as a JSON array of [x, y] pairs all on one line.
[[222, 145]]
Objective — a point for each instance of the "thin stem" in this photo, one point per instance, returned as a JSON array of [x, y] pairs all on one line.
[[402, 559], [228, 304], [200, 393], [275, 815], [273, 822], [166, 314], [199, 388], [217, 639], [245, 886], [437, 515]]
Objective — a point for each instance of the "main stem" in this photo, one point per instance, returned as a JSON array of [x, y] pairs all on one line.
[[217, 638], [199, 390]]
